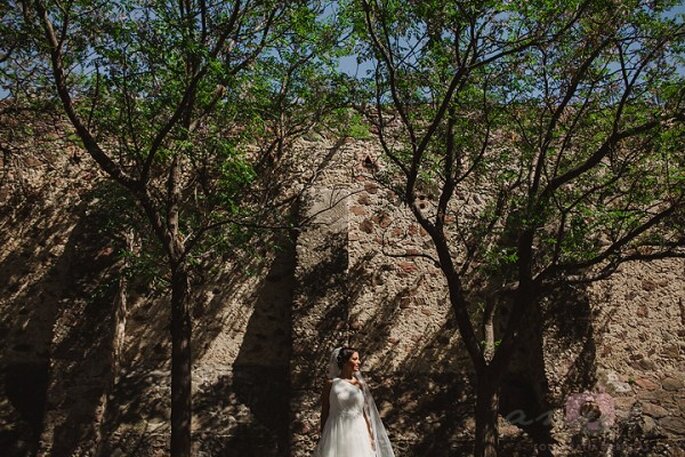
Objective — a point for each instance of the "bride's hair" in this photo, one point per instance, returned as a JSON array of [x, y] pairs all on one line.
[[344, 355]]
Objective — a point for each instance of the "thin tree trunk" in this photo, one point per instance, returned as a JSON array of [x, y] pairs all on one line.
[[121, 309], [489, 328], [181, 382], [119, 313], [119, 337], [487, 433]]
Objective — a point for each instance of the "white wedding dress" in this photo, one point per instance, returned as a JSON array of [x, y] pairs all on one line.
[[345, 433]]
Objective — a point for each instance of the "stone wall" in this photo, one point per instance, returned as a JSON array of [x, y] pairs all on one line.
[[356, 286], [321, 305], [265, 325], [55, 270], [61, 268], [633, 349], [621, 337]]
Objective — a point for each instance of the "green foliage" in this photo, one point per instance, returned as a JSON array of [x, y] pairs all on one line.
[[235, 175], [117, 217], [192, 84], [114, 209], [574, 136], [350, 123], [495, 343], [74, 139], [543, 88]]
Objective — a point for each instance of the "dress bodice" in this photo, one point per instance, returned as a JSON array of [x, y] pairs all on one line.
[[346, 399], [347, 432]]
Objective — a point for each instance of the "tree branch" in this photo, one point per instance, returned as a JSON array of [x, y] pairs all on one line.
[[89, 142]]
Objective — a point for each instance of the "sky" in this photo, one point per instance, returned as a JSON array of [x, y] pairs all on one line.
[[350, 66]]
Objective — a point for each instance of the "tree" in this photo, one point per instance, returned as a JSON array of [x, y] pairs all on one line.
[[564, 117], [159, 95]]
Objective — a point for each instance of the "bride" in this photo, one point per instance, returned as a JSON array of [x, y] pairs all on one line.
[[350, 423]]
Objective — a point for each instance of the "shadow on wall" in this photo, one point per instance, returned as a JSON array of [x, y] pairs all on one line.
[[570, 315], [243, 414], [325, 283], [433, 410], [237, 413], [252, 404], [76, 288], [29, 298], [426, 412], [574, 327], [81, 369], [561, 321], [43, 304]]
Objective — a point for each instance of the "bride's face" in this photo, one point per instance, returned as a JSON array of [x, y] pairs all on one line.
[[355, 362]]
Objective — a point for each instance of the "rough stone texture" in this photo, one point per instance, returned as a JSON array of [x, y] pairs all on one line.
[[320, 308], [56, 272], [265, 325], [625, 341], [622, 336], [392, 305], [58, 394]]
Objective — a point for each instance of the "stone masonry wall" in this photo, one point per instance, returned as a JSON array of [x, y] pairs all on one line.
[[320, 308], [633, 349], [356, 287], [265, 325], [622, 337]]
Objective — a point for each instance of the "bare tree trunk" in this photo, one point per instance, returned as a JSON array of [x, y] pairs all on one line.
[[181, 381], [119, 314], [121, 310], [489, 328], [487, 433]]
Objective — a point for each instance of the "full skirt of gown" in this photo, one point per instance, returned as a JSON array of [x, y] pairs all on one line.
[[345, 433]]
